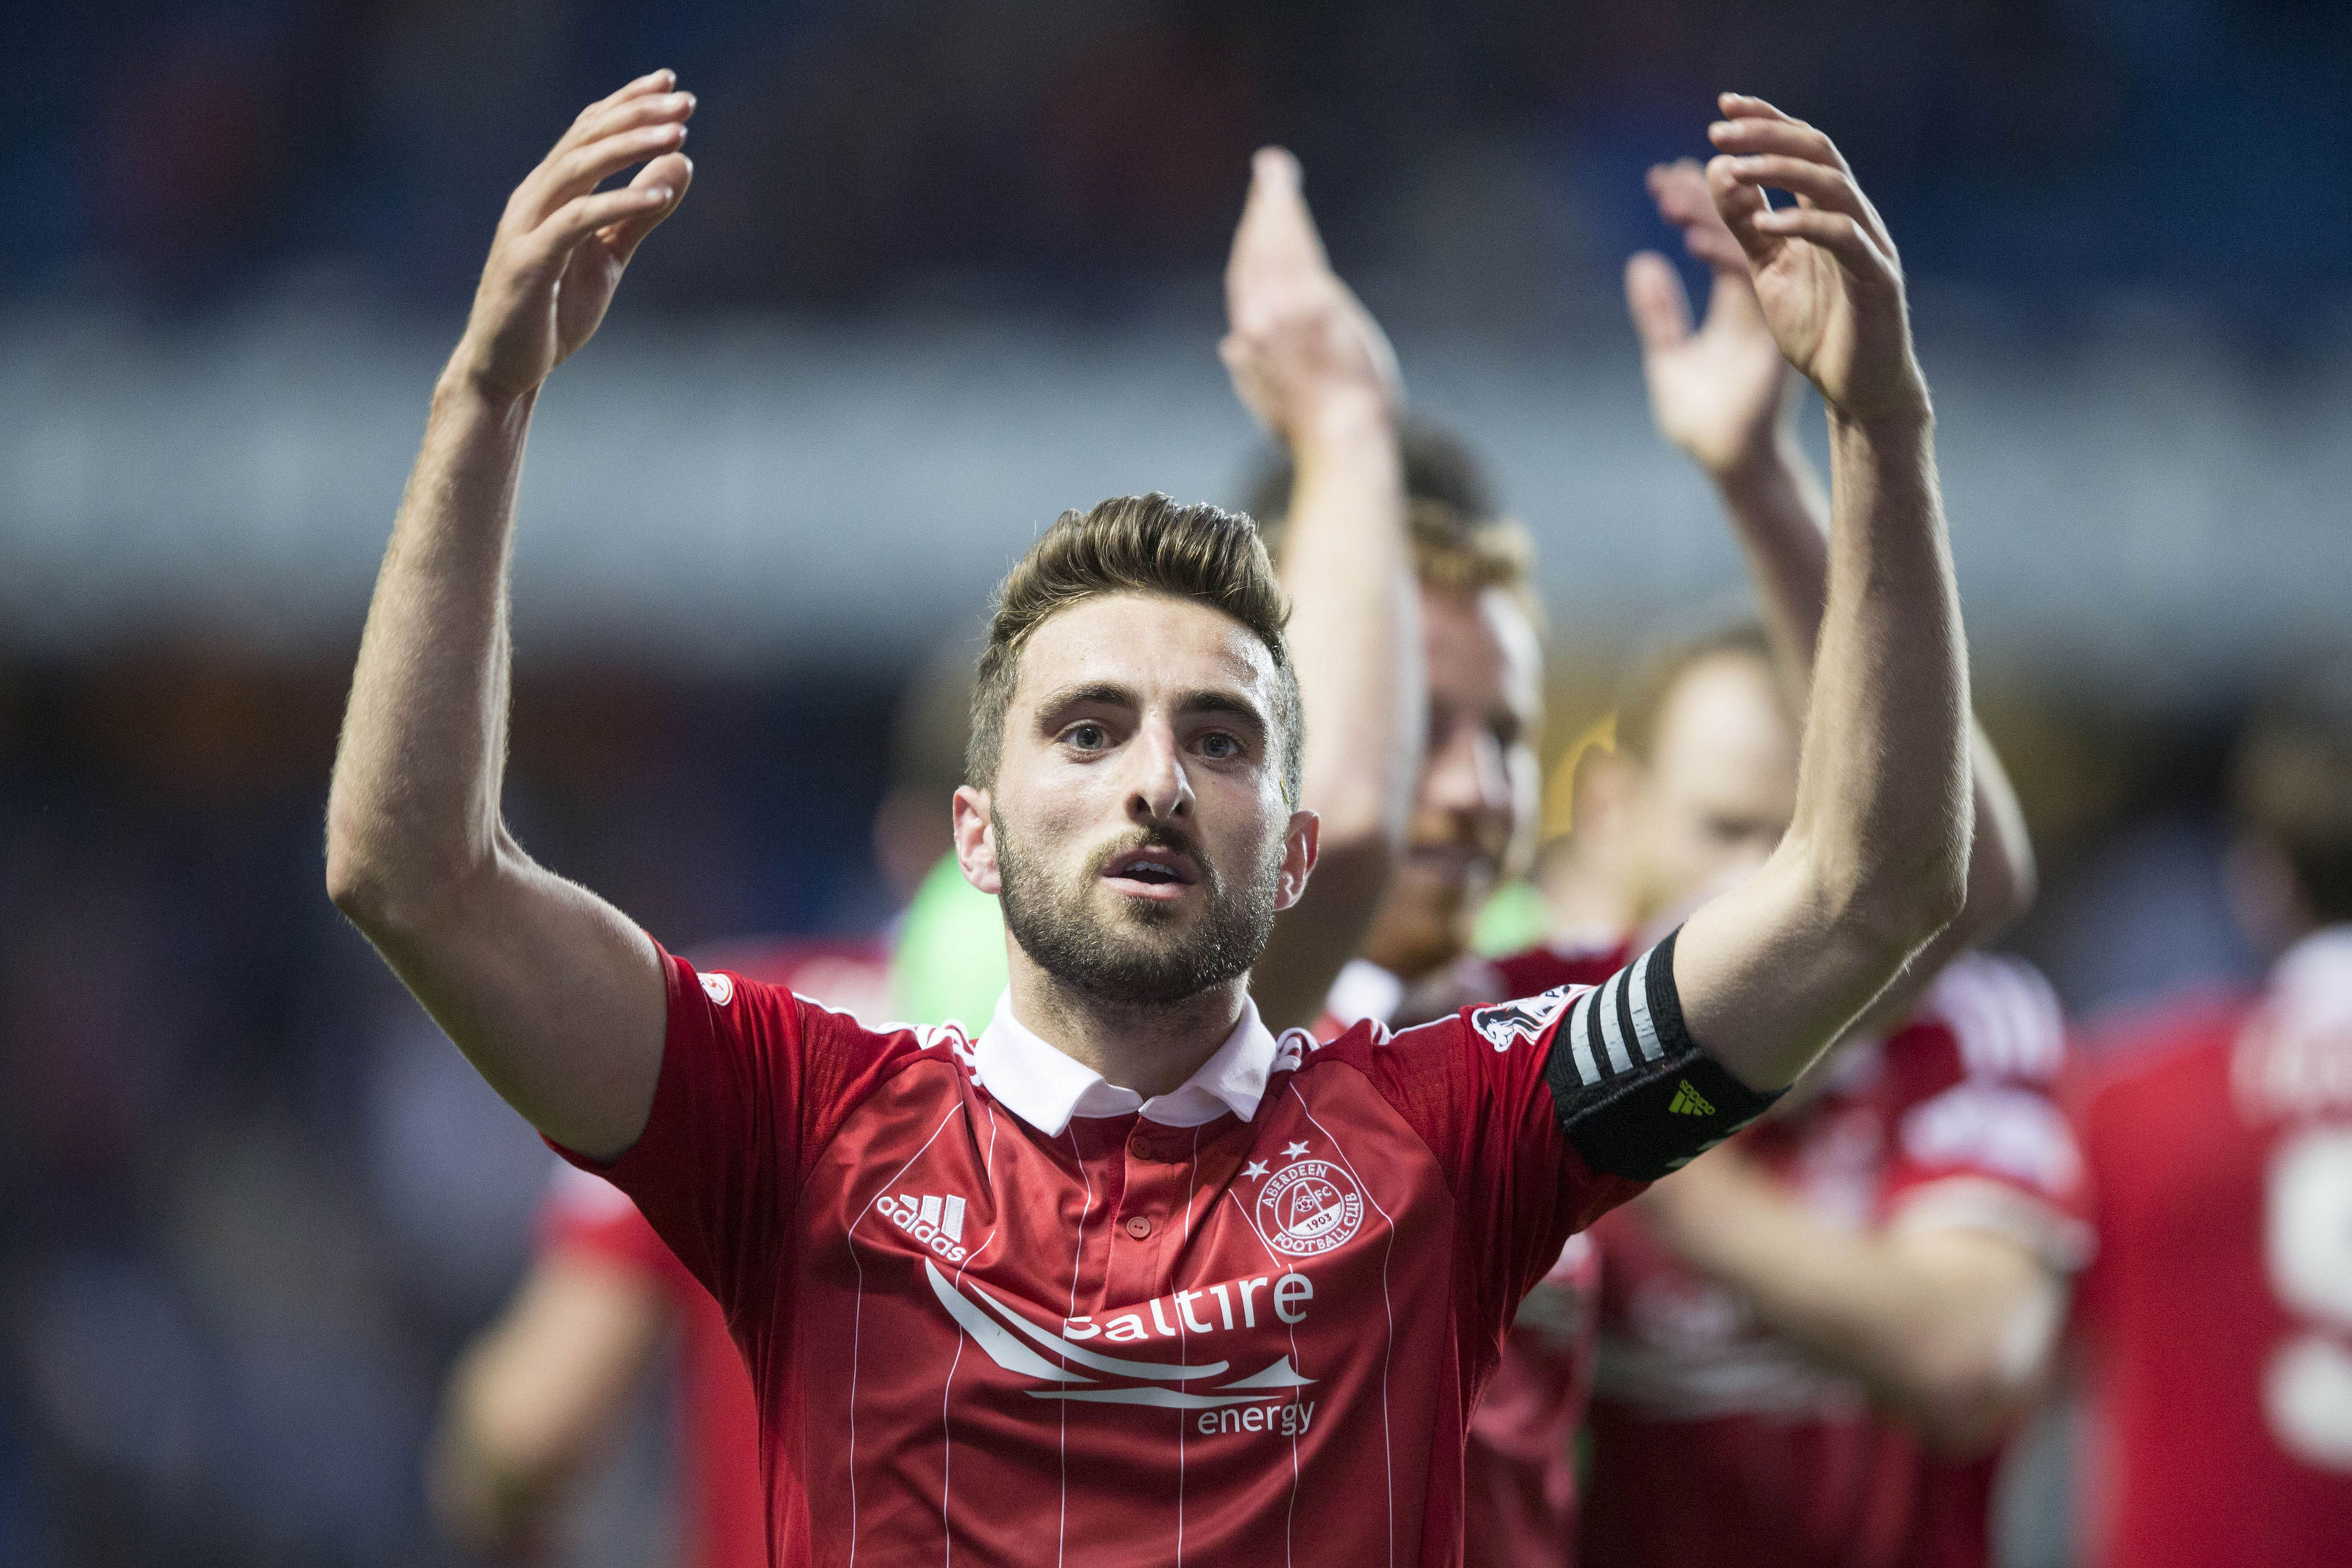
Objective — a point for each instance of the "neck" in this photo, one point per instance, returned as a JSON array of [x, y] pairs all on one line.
[[1150, 1049]]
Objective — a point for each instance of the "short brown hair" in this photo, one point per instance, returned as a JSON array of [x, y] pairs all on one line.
[[1642, 703], [1134, 545], [1459, 543], [2291, 782]]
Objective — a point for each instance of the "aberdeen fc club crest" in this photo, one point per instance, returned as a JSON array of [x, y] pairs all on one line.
[[1308, 1206]]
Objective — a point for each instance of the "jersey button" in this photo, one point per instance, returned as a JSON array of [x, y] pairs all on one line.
[[1138, 1227]]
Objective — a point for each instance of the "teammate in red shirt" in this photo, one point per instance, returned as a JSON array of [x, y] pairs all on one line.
[[1127, 1271], [1791, 1325], [546, 1388], [2218, 1314]]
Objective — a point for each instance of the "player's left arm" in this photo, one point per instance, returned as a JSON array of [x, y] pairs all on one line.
[[1727, 397], [1874, 864], [1315, 368], [1952, 1328], [1696, 1038]]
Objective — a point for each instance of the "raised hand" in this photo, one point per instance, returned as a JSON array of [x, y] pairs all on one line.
[[1720, 394], [1826, 273], [1299, 343], [561, 244]]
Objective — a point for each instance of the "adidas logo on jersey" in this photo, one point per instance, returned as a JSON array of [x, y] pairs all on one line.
[[1688, 1101], [936, 1222]]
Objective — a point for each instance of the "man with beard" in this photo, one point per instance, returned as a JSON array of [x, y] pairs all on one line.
[[1812, 1338], [546, 1388], [1126, 1270]]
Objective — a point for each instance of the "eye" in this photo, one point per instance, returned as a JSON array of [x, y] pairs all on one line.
[[1218, 746], [1087, 737]]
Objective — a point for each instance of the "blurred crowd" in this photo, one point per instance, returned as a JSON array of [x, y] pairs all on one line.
[[180, 149]]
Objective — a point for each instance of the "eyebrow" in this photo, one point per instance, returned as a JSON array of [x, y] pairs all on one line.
[[1200, 700]]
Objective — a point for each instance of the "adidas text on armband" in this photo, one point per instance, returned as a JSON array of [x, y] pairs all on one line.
[[1636, 1096]]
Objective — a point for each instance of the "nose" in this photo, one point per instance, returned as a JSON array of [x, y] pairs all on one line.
[[1158, 790]]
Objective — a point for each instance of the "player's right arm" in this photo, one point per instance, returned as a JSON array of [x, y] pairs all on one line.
[[554, 995], [1727, 397], [539, 1395], [1315, 368]]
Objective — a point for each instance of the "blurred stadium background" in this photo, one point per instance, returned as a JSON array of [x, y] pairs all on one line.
[[949, 266]]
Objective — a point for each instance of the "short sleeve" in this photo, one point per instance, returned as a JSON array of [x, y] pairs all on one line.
[[1476, 1094], [753, 1079], [1979, 1138]]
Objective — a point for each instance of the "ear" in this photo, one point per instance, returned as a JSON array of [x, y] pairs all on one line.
[[1300, 844], [975, 840]]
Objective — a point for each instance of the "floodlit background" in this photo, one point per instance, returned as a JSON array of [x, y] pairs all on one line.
[[947, 268]]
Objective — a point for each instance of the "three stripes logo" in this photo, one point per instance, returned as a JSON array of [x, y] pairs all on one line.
[[936, 1222], [1688, 1101], [1612, 1026]]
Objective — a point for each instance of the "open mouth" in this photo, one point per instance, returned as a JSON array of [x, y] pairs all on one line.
[[1151, 873]]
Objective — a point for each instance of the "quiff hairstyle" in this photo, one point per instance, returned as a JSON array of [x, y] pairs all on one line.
[[2291, 782], [1459, 543], [1134, 545]]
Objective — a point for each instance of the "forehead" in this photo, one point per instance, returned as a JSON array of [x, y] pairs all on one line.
[[1724, 722], [1481, 648], [1150, 643]]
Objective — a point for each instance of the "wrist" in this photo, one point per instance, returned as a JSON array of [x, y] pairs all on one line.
[[465, 388], [1907, 416], [1345, 418], [1757, 467]]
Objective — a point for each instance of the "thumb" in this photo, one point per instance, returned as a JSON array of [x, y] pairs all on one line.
[[1737, 203], [1655, 300], [1732, 302], [676, 171]]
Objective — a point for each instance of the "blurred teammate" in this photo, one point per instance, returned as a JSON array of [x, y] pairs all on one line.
[[545, 1390], [1473, 815], [2218, 1312], [1126, 1268], [1812, 1338]]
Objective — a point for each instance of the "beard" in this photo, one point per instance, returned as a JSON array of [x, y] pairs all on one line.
[[1138, 953]]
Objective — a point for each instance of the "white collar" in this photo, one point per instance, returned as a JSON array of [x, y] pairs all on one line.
[[1045, 1087]]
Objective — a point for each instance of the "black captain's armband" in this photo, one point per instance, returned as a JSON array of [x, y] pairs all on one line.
[[1636, 1095]]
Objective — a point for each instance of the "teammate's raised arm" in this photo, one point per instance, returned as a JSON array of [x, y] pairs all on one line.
[[1316, 370], [553, 994], [1873, 866], [1724, 394]]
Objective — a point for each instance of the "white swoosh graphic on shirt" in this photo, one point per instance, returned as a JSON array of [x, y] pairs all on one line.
[[1093, 1359]]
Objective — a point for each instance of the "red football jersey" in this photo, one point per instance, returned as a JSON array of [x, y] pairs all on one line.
[[1713, 1440], [1520, 1469], [994, 1306], [723, 1516], [2218, 1313]]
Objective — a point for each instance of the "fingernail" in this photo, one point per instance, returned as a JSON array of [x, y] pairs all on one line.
[[657, 195], [1720, 127]]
